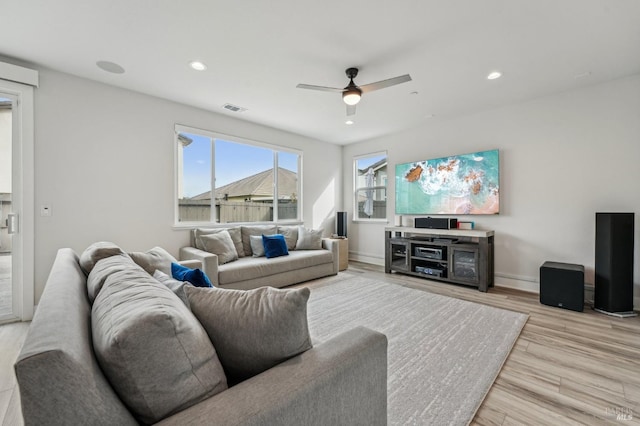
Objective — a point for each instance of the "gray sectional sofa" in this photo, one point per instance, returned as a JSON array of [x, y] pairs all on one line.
[[65, 376], [248, 271]]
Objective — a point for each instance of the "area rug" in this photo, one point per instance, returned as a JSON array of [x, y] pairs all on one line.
[[444, 354]]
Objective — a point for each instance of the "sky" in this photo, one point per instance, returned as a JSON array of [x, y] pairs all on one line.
[[234, 161]]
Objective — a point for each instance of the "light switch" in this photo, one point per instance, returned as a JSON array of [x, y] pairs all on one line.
[[45, 211]]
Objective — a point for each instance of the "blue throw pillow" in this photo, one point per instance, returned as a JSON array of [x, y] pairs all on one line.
[[274, 245], [194, 276]]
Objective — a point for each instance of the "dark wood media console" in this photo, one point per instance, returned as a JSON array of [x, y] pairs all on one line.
[[451, 255]]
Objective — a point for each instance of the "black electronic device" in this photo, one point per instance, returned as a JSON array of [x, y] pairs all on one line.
[[562, 285], [436, 223], [341, 224], [428, 252], [613, 282], [436, 272]]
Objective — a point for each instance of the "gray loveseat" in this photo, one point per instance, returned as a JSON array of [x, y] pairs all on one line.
[[248, 271], [341, 381]]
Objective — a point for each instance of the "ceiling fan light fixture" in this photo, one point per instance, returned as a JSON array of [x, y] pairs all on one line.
[[351, 96]]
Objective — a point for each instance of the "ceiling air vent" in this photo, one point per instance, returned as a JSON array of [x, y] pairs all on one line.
[[233, 108]]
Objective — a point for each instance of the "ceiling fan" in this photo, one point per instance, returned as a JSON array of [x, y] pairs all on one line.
[[352, 93]]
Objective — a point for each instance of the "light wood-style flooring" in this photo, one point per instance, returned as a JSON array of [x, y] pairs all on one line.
[[567, 368]]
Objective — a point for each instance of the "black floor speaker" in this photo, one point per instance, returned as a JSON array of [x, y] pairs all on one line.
[[614, 263], [562, 285], [341, 224]]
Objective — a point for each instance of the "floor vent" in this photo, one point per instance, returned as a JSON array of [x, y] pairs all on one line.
[[233, 108]]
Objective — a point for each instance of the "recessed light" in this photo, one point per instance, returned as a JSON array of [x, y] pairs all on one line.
[[197, 65], [349, 122], [493, 75], [111, 67], [413, 93]]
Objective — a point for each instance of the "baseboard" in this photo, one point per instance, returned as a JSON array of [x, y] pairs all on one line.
[[517, 282], [366, 258]]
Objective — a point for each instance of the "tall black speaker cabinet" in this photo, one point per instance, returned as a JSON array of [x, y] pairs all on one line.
[[614, 264]]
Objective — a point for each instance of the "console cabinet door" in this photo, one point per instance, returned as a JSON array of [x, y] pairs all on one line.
[[464, 263], [398, 254]]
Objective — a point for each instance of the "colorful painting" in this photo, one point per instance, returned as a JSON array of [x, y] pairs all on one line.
[[460, 184]]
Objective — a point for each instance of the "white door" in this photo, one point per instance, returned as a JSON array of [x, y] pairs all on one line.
[[16, 202]]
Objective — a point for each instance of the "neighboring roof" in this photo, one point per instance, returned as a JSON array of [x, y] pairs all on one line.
[[375, 166], [258, 186]]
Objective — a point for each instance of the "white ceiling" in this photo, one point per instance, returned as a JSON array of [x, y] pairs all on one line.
[[258, 50]]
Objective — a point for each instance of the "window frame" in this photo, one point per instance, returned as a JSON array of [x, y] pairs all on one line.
[[355, 216], [180, 128]]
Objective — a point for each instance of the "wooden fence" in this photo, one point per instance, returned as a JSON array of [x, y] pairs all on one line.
[[234, 211]]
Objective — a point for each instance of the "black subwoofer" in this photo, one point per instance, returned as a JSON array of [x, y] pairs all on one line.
[[614, 263], [562, 285]]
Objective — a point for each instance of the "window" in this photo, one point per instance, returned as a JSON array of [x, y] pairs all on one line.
[[224, 179], [370, 183]]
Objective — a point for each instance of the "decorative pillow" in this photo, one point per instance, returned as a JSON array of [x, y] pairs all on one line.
[[274, 246], [96, 252], [155, 259], [177, 287], [257, 247], [194, 276], [290, 235], [259, 230], [152, 349], [222, 245], [252, 330], [103, 269], [309, 239], [235, 234]]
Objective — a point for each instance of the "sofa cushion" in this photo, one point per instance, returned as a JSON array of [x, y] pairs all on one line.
[[290, 235], [249, 268], [103, 269], [247, 231], [220, 244], [274, 246], [177, 287], [153, 350], [234, 233], [253, 330], [156, 258], [309, 239], [96, 252], [194, 276]]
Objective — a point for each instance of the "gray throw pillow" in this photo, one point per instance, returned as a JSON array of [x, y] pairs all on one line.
[[235, 234], [177, 287], [309, 239], [248, 231], [96, 252], [152, 349], [290, 234], [252, 330], [257, 247], [155, 259], [221, 245]]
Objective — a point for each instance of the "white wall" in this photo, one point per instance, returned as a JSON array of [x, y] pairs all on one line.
[[104, 163], [563, 158]]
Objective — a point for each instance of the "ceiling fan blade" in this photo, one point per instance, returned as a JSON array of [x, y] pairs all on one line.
[[351, 110], [385, 83], [322, 88]]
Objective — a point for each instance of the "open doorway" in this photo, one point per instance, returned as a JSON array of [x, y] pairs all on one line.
[[6, 171]]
